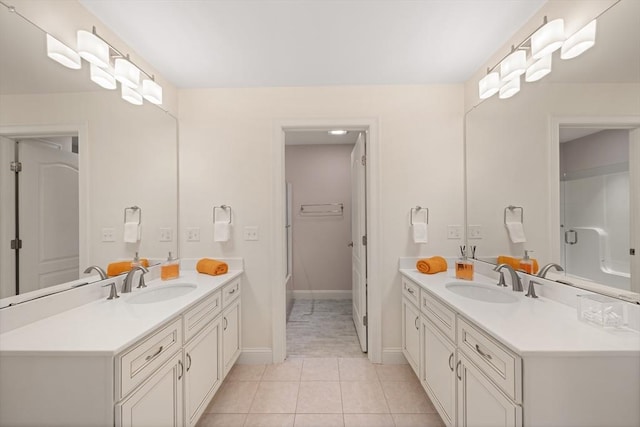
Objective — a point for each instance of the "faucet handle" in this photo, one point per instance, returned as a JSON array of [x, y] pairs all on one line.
[[141, 283], [501, 280], [113, 293], [531, 290]]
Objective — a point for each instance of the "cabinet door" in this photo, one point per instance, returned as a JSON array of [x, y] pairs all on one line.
[[480, 402], [438, 377], [158, 401], [231, 335], [411, 334], [203, 370]]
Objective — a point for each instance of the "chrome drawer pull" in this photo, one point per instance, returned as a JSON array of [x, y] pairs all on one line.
[[181, 370], [482, 353], [151, 356], [451, 362], [457, 372], [232, 291], [188, 362], [226, 323], [410, 291], [415, 323]]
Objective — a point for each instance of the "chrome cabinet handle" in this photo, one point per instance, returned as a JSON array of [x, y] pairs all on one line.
[[188, 362], [451, 362], [232, 291], [151, 356], [226, 323], [482, 353], [181, 370], [575, 237], [410, 291], [415, 323], [457, 370]]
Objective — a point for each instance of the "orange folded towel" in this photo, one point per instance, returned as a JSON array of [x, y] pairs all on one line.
[[515, 262], [212, 267], [117, 268], [431, 265]]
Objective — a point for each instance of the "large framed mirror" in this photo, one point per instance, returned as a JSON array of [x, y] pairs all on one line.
[[561, 158], [80, 156]]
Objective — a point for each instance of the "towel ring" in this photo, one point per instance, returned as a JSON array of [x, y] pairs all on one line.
[[415, 211], [223, 207], [133, 209], [512, 208]]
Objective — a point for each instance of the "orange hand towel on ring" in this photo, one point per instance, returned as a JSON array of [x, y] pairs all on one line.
[[212, 267], [431, 265]]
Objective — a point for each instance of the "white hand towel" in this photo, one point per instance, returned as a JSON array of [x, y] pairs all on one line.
[[131, 232], [516, 232], [221, 231], [420, 232]]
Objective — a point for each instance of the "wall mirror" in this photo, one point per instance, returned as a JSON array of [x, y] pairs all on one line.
[[561, 157], [86, 155]]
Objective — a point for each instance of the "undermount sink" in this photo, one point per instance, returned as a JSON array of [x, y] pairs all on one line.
[[480, 292], [161, 293]]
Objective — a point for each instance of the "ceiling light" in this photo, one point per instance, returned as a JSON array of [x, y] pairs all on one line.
[[93, 49], [538, 69], [337, 132], [513, 65], [62, 53], [131, 95], [489, 85], [127, 73], [579, 42], [103, 77], [547, 39], [152, 91], [510, 88]]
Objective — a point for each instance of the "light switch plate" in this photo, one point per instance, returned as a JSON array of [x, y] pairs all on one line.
[[475, 232], [166, 235], [454, 232], [108, 234], [193, 234], [251, 232]]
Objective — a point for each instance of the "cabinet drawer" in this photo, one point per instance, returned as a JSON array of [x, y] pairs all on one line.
[[138, 362], [411, 291], [501, 365], [442, 316], [230, 292], [199, 316]]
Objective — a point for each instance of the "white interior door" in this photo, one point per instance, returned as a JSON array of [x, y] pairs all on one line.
[[358, 238], [7, 219], [48, 215]]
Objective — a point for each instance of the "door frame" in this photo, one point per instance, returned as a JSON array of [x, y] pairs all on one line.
[[278, 244]]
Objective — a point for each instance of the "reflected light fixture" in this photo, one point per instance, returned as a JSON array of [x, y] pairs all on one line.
[[513, 65], [103, 77], [538, 69], [510, 88], [62, 53], [127, 73], [93, 49], [131, 95], [152, 91], [548, 38], [337, 132], [579, 42], [489, 85]]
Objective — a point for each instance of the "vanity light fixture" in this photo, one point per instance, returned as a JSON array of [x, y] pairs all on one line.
[[337, 132], [93, 49], [489, 85], [131, 95], [127, 73], [548, 38], [579, 42], [513, 65], [152, 91], [103, 77], [538, 69], [510, 88], [62, 53]]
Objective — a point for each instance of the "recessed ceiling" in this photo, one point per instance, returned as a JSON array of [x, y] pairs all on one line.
[[242, 43]]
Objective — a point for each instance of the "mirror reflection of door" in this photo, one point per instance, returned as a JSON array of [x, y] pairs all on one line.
[[40, 225], [595, 204]]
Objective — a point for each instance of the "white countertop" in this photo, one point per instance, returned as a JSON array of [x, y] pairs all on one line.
[[106, 327], [531, 327]]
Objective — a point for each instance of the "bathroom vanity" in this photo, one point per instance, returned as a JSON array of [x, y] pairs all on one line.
[[155, 356], [490, 356]]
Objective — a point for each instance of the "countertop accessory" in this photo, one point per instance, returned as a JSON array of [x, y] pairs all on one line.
[[601, 310], [322, 209]]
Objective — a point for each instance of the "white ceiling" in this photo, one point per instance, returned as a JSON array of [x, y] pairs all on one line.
[[319, 137], [249, 43]]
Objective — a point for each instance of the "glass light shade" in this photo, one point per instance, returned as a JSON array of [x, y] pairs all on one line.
[[152, 91], [510, 88], [513, 65], [127, 73], [489, 85], [62, 53], [547, 39], [131, 95], [103, 77], [93, 49], [538, 69], [579, 42]]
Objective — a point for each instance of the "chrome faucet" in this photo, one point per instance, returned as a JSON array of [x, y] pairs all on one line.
[[128, 280], [516, 283], [543, 271], [100, 271]]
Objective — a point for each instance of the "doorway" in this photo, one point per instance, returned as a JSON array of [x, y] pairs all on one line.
[[325, 174]]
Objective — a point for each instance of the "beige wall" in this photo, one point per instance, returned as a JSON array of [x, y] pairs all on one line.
[[226, 138]]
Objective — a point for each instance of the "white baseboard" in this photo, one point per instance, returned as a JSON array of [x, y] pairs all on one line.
[[256, 356], [322, 294], [393, 356]]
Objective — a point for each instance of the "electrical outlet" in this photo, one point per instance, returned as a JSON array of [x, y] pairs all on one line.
[[454, 232], [475, 232], [166, 235], [193, 234], [251, 232], [108, 234]]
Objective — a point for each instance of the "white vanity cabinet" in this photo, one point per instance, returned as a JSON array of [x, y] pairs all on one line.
[[231, 326], [411, 324]]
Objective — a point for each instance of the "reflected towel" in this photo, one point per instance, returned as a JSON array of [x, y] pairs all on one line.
[[420, 232], [221, 231], [212, 267], [117, 268], [515, 262], [516, 232], [431, 265], [131, 232]]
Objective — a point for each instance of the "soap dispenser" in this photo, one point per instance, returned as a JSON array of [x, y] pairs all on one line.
[[464, 267], [170, 269], [136, 261], [526, 263]]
